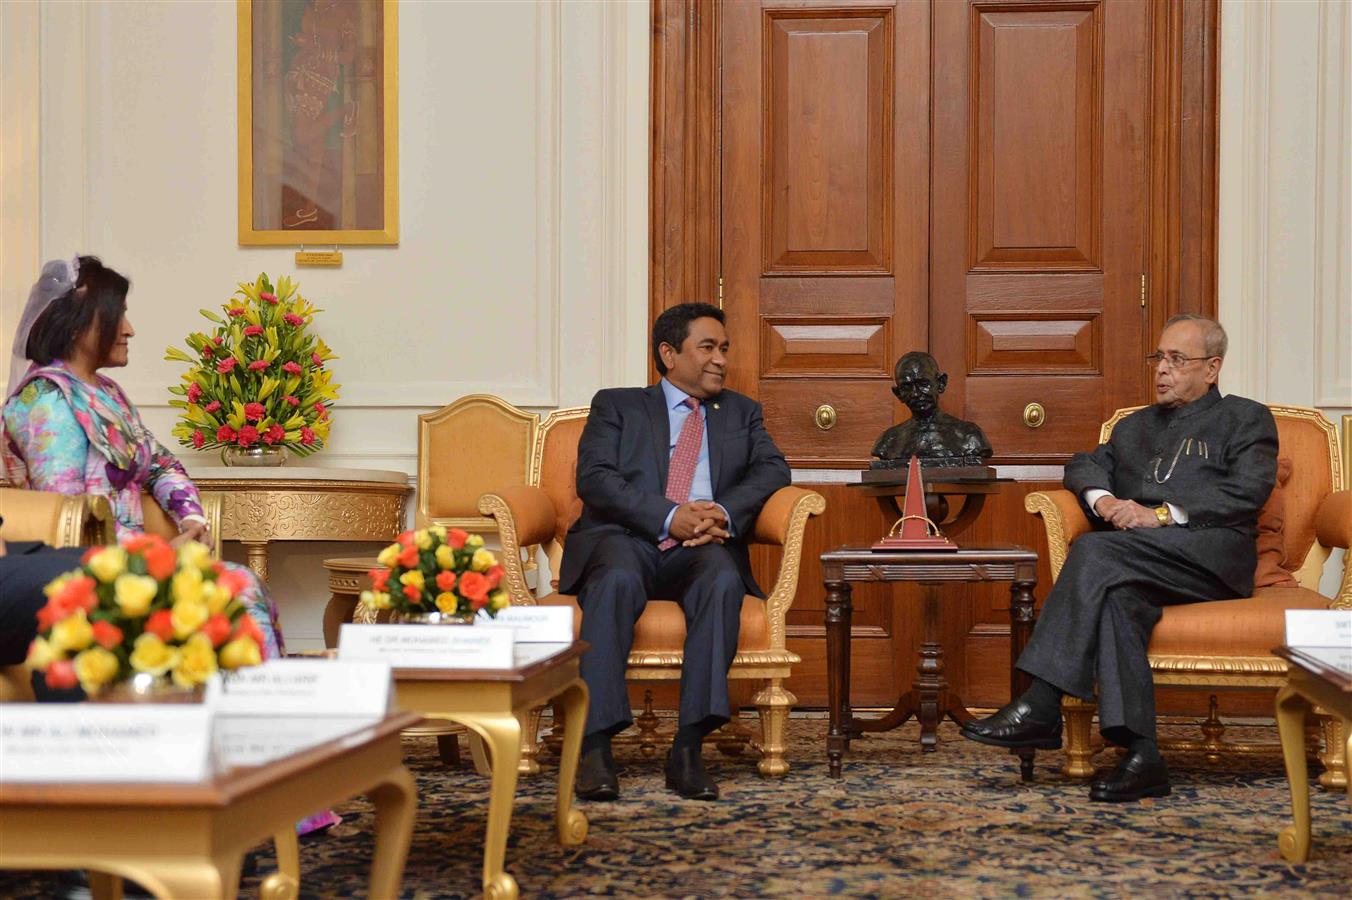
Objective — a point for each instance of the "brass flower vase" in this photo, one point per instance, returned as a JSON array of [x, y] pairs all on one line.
[[253, 456], [144, 688]]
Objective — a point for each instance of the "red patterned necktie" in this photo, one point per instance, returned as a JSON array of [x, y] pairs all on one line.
[[681, 470]]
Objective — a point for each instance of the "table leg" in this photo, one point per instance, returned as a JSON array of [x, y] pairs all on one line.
[[1022, 616], [929, 692], [838, 615], [571, 822], [1294, 839], [207, 879], [257, 558], [502, 734], [285, 882], [396, 801], [337, 611], [104, 886]]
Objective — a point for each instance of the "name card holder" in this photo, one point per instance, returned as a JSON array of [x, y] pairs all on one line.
[[106, 743], [304, 687], [254, 740], [1319, 628], [533, 624], [428, 646]]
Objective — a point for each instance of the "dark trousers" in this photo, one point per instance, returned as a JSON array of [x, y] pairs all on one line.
[[1096, 623], [623, 573], [25, 569]]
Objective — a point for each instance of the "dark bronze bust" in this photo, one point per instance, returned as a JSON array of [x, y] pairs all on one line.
[[931, 434]]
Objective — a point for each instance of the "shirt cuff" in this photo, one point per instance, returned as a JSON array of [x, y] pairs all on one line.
[[191, 517], [1094, 495], [1177, 514], [666, 525]]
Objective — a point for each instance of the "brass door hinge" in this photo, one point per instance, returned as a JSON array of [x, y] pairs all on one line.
[[1143, 290], [720, 291]]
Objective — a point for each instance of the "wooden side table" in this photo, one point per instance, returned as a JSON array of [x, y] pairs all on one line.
[[929, 699], [1310, 681]]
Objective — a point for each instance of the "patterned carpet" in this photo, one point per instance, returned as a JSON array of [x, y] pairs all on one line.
[[956, 823]]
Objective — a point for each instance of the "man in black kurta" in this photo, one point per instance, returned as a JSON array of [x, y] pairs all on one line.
[[1174, 498]]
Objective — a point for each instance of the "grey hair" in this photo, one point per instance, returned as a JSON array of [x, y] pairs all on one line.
[[1213, 338]]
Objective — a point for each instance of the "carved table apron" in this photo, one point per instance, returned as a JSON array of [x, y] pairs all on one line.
[[304, 503]]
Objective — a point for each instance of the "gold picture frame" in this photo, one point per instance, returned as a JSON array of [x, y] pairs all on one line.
[[318, 122]]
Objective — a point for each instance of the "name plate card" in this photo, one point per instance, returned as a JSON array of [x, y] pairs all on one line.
[[428, 646], [114, 742], [253, 741], [534, 624], [304, 687], [1319, 628]]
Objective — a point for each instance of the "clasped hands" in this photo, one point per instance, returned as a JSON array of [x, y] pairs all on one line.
[[1124, 514], [192, 531], [699, 522]]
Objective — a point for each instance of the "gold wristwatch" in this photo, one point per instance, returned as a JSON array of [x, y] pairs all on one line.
[[1162, 513]]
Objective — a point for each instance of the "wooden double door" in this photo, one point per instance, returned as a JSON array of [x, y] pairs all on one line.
[[978, 179]]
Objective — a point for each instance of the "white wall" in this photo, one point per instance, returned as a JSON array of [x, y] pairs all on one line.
[[522, 267]]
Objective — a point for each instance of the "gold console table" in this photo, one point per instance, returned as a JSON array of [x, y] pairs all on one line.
[[304, 503]]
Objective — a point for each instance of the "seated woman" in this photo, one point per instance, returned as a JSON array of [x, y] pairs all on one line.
[[69, 429]]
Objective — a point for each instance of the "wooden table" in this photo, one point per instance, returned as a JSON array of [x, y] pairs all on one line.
[[929, 698], [260, 505], [187, 842], [1311, 681], [494, 704]]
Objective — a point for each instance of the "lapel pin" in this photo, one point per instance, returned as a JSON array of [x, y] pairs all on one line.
[[715, 406]]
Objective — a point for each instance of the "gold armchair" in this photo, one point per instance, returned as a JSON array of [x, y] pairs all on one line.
[[1226, 644], [541, 513]]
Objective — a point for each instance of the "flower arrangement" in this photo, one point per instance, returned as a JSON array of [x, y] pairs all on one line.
[[437, 570], [142, 607], [258, 380]]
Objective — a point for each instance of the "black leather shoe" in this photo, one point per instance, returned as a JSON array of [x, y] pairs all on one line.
[[1134, 778], [1015, 725], [686, 775], [596, 779]]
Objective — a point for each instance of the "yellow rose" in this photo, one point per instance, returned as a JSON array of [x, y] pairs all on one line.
[[474, 540], [239, 653], [153, 656], [95, 667], [72, 633], [194, 555], [439, 531], [40, 655], [108, 563], [445, 557], [215, 598], [186, 585], [133, 593], [376, 599], [423, 539], [188, 616], [389, 556], [497, 600], [483, 560], [196, 662], [53, 588], [447, 602], [415, 578]]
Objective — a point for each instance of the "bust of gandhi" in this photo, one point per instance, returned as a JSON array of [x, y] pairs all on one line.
[[931, 434]]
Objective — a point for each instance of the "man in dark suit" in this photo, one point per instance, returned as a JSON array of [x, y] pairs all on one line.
[[672, 478], [1174, 497], [26, 567]]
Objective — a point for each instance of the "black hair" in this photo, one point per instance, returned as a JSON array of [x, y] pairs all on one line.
[[673, 326], [98, 300]]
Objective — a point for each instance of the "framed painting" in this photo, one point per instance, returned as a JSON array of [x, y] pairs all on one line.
[[318, 122]]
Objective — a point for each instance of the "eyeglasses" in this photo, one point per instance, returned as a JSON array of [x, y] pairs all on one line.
[[1173, 360]]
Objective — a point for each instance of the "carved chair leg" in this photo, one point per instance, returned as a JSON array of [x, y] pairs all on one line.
[[1333, 753], [1079, 717], [773, 702], [647, 722], [734, 737], [448, 748], [530, 743]]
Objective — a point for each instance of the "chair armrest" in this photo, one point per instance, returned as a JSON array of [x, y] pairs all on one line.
[[1064, 520], [1333, 528], [56, 519], [525, 516], [782, 522]]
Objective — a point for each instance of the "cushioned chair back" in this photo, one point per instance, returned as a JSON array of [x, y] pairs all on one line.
[[474, 445], [1310, 441], [554, 469], [55, 519]]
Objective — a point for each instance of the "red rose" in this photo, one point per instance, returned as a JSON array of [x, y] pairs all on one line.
[[61, 675], [474, 586], [48, 616], [274, 434], [107, 635], [77, 593], [212, 406], [479, 602], [234, 312], [317, 360], [445, 581], [289, 400], [194, 392], [89, 554], [253, 331], [161, 624], [254, 411], [137, 542], [248, 435], [217, 628], [291, 368], [225, 434], [258, 365], [379, 578], [270, 298], [412, 593], [161, 560], [408, 557], [456, 537], [494, 576], [405, 538], [198, 439], [293, 319], [307, 437], [247, 627], [225, 365], [231, 580]]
